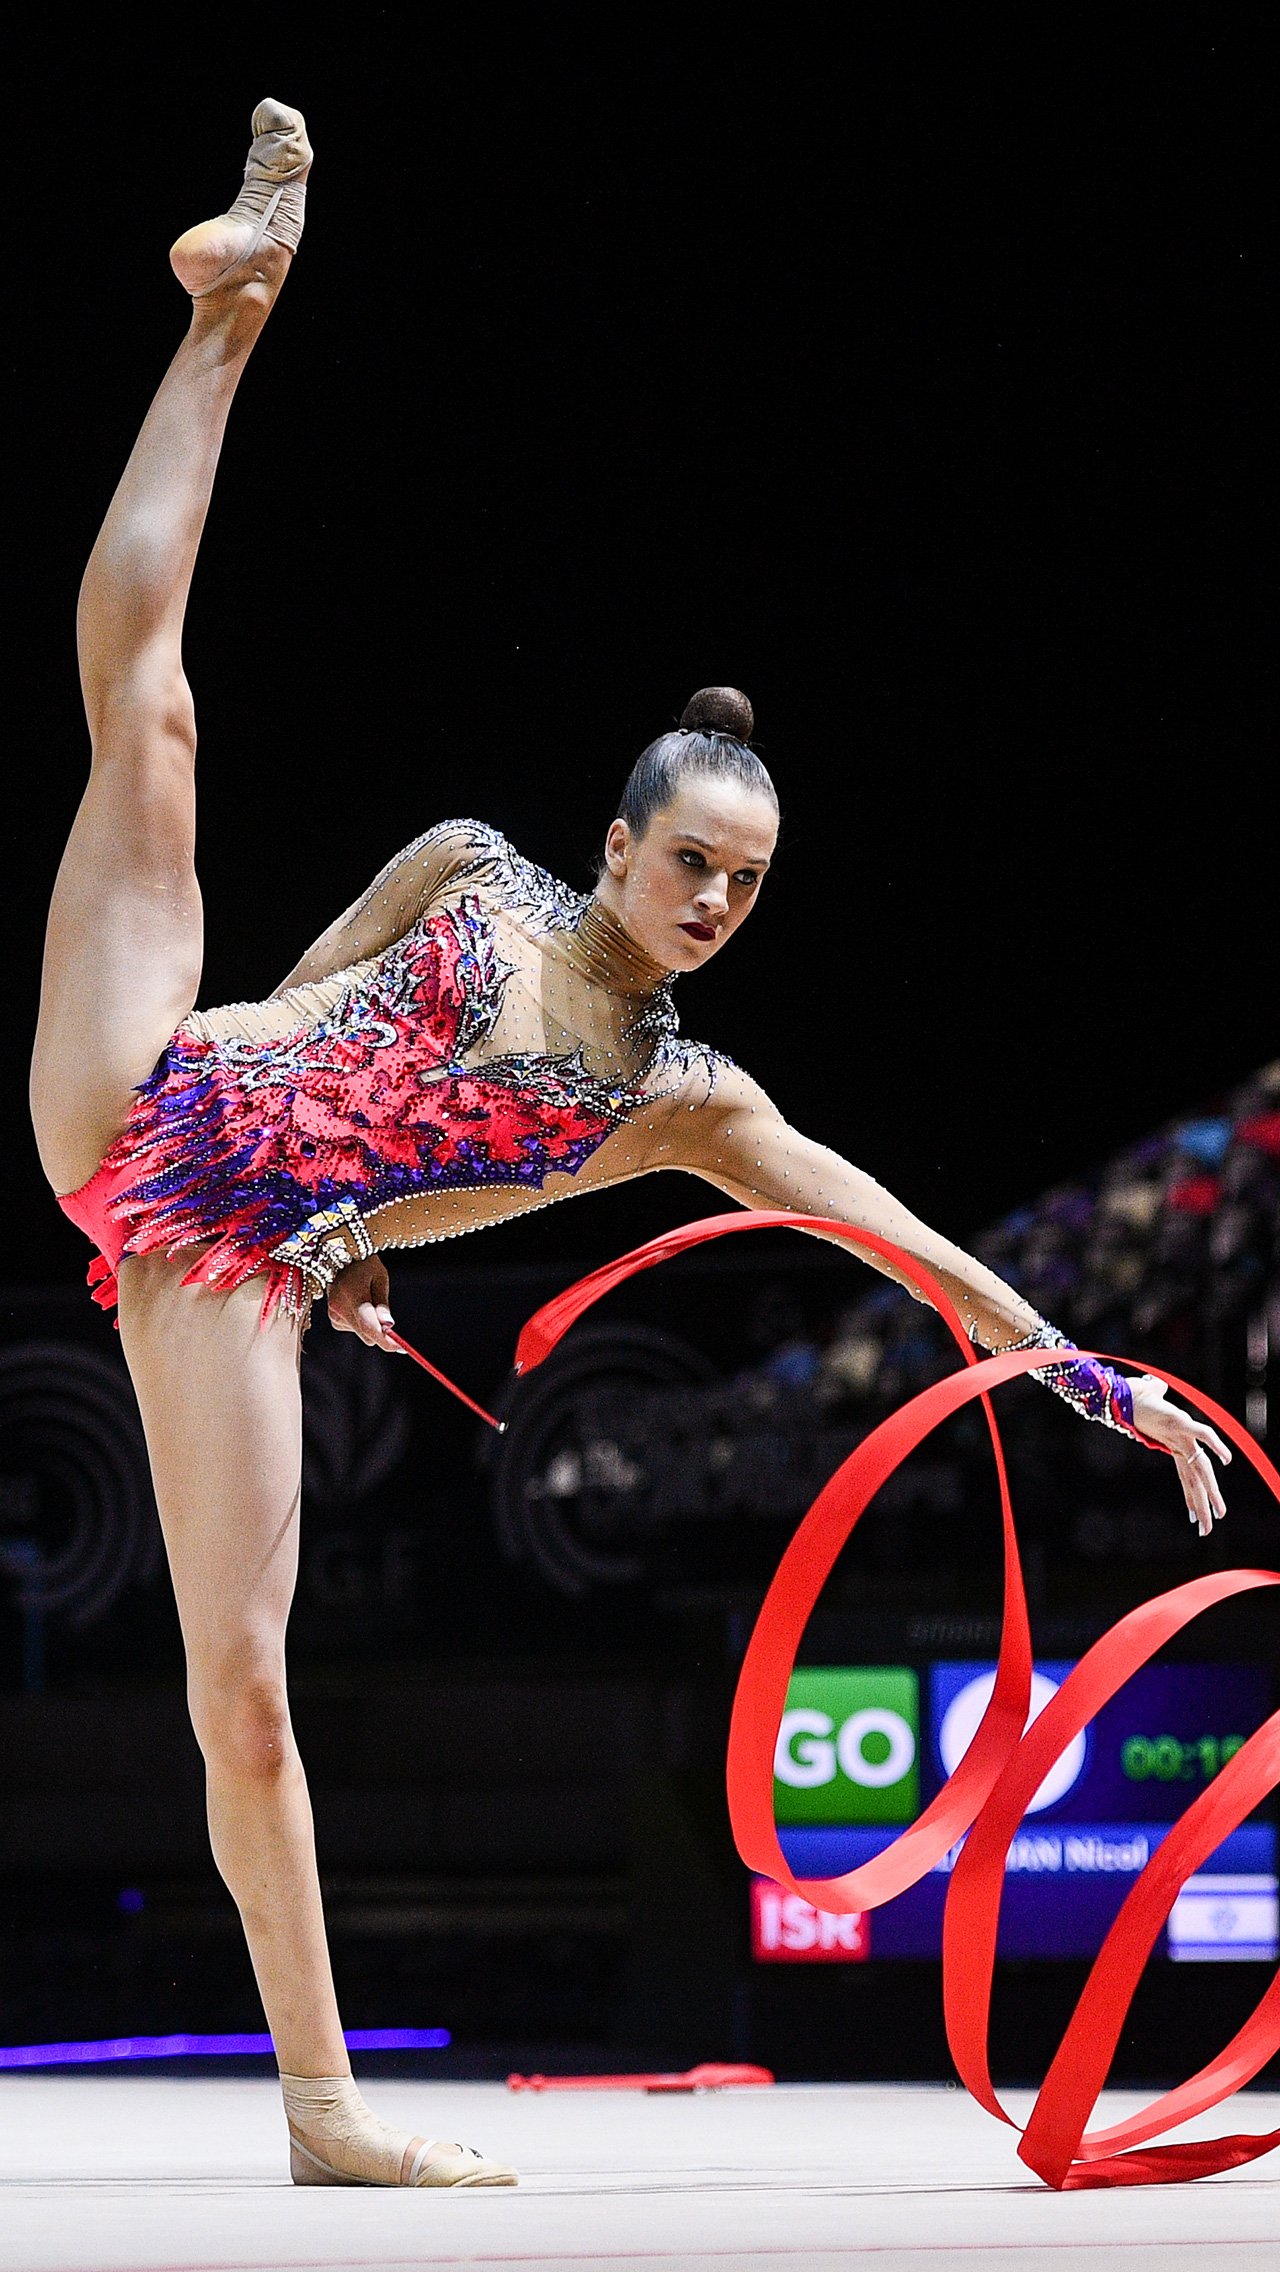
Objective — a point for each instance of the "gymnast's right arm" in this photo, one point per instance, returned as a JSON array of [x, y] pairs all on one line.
[[359, 1299], [360, 1302], [398, 895]]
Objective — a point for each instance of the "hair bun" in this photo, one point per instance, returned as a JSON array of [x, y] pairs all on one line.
[[719, 710]]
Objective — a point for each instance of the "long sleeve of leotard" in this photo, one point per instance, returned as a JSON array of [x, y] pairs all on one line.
[[738, 1140], [398, 895]]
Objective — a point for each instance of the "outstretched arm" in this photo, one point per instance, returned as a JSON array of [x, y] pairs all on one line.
[[396, 898], [739, 1141]]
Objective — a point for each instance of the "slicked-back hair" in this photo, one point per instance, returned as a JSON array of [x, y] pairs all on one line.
[[713, 737]]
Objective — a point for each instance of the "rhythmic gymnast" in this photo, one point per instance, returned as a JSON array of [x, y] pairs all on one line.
[[469, 1041]]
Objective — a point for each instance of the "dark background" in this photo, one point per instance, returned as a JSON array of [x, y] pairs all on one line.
[[916, 381], [913, 378]]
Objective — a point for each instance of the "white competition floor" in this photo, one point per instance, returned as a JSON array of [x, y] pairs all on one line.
[[137, 2174]]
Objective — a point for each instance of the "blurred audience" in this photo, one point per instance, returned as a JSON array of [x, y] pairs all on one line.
[[1176, 1239]]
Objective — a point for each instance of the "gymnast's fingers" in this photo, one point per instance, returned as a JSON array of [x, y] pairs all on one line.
[[1205, 1503], [1213, 1442], [372, 1322]]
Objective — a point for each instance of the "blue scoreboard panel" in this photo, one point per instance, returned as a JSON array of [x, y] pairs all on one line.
[[862, 1750]]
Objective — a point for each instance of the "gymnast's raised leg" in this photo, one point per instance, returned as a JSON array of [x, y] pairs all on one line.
[[218, 1390]]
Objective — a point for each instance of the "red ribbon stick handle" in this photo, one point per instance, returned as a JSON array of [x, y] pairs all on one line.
[[445, 1381], [987, 1795]]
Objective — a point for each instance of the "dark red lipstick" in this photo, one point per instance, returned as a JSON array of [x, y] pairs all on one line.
[[702, 931]]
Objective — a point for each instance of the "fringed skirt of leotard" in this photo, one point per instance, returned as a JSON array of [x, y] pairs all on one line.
[[249, 1151]]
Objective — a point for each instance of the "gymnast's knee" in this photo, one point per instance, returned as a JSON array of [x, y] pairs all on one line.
[[240, 1712]]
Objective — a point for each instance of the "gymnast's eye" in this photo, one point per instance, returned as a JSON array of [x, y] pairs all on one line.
[[693, 859], [747, 877]]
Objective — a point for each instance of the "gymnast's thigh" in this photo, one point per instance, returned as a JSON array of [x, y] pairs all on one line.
[[123, 946], [220, 1397]]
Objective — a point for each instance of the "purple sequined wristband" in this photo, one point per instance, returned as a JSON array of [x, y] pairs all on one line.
[[1094, 1390]]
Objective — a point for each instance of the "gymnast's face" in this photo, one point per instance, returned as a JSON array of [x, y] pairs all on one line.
[[683, 887]]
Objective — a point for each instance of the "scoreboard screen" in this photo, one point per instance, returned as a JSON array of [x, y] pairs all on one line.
[[862, 1750]]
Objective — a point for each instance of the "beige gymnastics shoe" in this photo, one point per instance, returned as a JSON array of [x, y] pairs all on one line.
[[432, 2164], [269, 209], [335, 2139]]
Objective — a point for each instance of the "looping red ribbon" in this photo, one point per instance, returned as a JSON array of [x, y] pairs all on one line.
[[986, 1797]]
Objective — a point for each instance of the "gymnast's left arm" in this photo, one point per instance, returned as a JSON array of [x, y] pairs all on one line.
[[738, 1140]]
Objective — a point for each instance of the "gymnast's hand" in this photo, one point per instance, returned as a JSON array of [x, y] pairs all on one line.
[[359, 1301], [1191, 1441]]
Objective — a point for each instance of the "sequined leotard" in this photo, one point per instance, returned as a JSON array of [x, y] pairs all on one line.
[[471, 1040]]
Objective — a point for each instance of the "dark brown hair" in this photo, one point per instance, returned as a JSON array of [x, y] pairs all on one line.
[[713, 736]]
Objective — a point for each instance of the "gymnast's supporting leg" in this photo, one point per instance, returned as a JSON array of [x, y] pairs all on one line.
[[221, 1404], [220, 1401]]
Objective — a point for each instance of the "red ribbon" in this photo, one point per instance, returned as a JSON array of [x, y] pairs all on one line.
[[988, 1794]]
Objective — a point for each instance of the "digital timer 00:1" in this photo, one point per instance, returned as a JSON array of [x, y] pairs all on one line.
[[1171, 1760]]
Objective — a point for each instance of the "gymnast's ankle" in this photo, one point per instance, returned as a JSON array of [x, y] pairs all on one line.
[[335, 2139]]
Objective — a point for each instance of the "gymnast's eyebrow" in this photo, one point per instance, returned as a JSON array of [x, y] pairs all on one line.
[[687, 837]]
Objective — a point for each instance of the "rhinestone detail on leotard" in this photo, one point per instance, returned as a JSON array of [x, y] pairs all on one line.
[[258, 1149]]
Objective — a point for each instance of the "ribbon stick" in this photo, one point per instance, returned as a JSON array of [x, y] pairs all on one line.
[[445, 1382], [987, 1795]]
